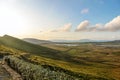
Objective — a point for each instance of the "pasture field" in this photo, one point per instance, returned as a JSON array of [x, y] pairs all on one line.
[[83, 61]]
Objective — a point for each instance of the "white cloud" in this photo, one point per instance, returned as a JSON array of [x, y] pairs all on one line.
[[65, 28], [83, 26], [84, 11], [96, 27], [113, 25]]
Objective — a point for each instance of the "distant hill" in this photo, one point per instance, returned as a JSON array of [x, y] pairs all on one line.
[[19, 44], [81, 40], [36, 41], [117, 41]]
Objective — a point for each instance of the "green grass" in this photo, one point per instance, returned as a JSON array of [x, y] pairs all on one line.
[[32, 48], [87, 58], [36, 72], [53, 63], [100, 61]]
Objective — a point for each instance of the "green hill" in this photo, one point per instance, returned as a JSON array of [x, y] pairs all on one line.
[[31, 48], [86, 61]]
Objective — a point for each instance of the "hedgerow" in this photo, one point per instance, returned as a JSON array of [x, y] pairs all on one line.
[[29, 71]]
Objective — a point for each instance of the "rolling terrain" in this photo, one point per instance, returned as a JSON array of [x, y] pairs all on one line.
[[31, 48], [85, 61]]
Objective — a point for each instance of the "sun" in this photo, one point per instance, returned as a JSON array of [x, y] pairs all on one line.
[[11, 21]]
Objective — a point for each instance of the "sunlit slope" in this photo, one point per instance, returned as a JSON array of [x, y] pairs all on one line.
[[31, 48]]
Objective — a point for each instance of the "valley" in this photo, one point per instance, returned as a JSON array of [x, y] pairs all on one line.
[[59, 39], [86, 61]]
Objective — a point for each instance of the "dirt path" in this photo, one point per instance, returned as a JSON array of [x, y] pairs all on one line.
[[4, 75], [14, 74]]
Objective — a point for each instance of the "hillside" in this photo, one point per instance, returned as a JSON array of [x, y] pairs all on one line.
[[36, 41], [52, 65], [31, 48], [115, 41], [87, 60]]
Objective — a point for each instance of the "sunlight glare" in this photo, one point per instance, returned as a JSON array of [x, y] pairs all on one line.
[[11, 22]]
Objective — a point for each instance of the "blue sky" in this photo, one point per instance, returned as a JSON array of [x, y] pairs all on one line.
[[70, 11], [61, 19]]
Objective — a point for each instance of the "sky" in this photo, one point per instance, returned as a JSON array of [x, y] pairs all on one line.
[[61, 19]]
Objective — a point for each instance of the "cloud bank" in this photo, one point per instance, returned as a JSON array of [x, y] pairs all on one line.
[[83, 26], [113, 25]]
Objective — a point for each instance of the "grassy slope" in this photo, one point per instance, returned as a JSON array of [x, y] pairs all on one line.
[[47, 62], [102, 61], [89, 54], [31, 71], [31, 48], [50, 62]]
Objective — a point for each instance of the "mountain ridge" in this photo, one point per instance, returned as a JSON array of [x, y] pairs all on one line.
[[81, 40], [36, 41], [19, 44]]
